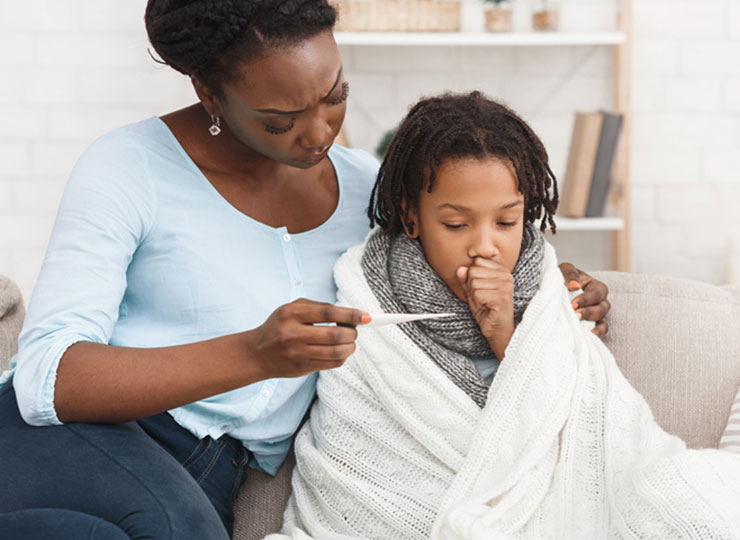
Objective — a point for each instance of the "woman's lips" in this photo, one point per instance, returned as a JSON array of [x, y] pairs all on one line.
[[320, 155]]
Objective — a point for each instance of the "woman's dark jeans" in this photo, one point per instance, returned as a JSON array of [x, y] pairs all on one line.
[[149, 479]]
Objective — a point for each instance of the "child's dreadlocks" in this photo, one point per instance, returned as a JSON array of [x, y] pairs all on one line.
[[460, 126]]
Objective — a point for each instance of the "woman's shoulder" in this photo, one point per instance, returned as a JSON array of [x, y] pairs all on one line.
[[119, 163], [356, 171], [354, 160], [149, 135], [128, 154]]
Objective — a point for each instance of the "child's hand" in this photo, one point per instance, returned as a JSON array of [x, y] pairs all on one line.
[[489, 288]]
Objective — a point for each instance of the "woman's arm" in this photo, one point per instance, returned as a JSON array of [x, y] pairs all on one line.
[[106, 384], [65, 370], [592, 305]]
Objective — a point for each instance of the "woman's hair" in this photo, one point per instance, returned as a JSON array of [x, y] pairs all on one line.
[[453, 126], [208, 39]]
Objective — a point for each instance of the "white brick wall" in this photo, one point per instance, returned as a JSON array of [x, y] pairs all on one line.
[[71, 70], [686, 136]]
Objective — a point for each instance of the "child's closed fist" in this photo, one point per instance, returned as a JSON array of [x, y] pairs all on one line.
[[489, 288]]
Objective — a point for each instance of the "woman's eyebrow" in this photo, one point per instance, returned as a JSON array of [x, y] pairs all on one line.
[[278, 111]]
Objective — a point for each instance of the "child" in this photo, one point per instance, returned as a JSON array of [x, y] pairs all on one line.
[[461, 199], [508, 420]]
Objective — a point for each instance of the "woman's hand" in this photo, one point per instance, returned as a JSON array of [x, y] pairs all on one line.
[[592, 305], [489, 288], [290, 344]]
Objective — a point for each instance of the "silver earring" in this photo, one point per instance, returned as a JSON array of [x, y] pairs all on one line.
[[215, 128]]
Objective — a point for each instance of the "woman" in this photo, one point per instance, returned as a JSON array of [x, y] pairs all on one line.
[[175, 280]]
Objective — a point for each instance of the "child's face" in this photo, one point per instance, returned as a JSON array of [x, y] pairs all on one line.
[[474, 211]]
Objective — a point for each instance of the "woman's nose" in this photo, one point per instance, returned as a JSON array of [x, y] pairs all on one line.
[[318, 133]]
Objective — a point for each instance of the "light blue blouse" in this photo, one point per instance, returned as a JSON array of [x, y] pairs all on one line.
[[146, 253]]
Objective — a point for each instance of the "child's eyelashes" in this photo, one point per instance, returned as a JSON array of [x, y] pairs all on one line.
[[502, 224], [282, 129]]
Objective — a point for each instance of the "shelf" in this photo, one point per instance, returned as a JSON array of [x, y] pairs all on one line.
[[619, 39], [486, 39], [589, 224]]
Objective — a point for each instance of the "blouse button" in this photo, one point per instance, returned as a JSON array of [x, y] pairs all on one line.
[[286, 237], [265, 393]]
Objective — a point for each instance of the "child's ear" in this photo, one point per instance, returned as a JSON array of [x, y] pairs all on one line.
[[409, 221]]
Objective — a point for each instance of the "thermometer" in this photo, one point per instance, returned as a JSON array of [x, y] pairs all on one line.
[[381, 319]]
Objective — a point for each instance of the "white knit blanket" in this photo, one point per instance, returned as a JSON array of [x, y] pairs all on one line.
[[564, 448]]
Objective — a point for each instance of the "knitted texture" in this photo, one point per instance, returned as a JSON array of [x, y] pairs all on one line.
[[564, 448], [401, 279]]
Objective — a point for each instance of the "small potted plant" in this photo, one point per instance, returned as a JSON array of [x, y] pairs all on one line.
[[498, 14], [546, 16], [385, 142]]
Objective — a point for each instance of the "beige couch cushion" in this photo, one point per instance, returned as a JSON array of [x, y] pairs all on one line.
[[11, 320], [678, 342], [259, 508]]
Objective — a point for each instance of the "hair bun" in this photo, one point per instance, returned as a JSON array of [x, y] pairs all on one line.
[[189, 34], [200, 36]]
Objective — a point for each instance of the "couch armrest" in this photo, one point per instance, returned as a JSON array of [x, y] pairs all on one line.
[[12, 313], [678, 343]]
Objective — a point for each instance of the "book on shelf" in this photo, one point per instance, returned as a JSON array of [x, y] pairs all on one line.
[[602, 177], [584, 143], [587, 177]]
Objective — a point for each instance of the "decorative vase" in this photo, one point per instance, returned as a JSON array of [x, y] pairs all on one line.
[[498, 19]]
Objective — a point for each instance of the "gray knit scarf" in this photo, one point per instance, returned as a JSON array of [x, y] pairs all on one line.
[[403, 282]]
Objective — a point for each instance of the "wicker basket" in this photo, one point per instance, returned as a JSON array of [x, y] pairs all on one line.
[[398, 16], [498, 19], [546, 19]]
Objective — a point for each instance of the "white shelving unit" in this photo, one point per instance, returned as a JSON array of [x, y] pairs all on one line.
[[619, 40], [479, 39], [607, 223]]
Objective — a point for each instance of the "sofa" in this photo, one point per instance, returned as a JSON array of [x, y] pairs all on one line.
[[677, 341]]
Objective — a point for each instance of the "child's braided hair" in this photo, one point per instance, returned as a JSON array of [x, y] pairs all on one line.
[[460, 126]]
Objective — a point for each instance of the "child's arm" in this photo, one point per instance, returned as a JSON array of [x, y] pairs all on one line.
[[490, 294]]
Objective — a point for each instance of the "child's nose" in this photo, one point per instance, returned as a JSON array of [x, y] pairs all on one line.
[[484, 245]]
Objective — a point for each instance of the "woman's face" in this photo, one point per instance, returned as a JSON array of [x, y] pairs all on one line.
[[474, 210], [289, 104]]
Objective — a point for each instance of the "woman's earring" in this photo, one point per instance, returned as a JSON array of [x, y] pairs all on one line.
[[215, 128]]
